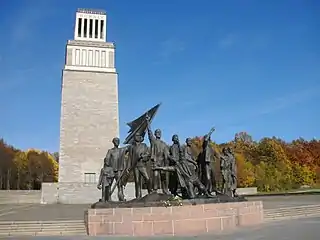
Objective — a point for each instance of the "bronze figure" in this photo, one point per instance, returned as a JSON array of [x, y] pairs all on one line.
[[206, 159], [228, 171], [105, 180], [187, 178], [116, 157], [159, 158], [174, 155], [138, 156]]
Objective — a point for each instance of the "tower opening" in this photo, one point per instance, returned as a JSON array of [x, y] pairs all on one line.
[[90, 28], [101, 29], [85, 28], [79, 26], [96, 28]]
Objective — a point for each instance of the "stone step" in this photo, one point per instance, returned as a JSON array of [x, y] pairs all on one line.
[[38, 229], [47, 233], [294, 209], [291, 212], [42, 222], [42, 228]]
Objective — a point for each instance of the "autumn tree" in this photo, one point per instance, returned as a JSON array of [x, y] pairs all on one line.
[[56, 156], [6, 160], [25, 169], [276, 164]]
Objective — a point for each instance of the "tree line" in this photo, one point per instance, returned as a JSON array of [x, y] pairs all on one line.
[[270, 164], [25, 170]]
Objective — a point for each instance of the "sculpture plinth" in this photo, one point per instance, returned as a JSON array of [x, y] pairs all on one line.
[[182, 220]]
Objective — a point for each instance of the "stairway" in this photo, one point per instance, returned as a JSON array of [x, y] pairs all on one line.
[[291, 212], [42, 228]]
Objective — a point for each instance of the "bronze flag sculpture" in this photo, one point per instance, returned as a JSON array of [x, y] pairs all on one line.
[[137, 127], [140, 124]]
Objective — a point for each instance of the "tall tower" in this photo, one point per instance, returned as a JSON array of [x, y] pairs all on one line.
[[89, 102]]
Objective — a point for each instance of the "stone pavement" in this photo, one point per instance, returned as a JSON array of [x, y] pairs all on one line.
[[305, 228], [37, 212]]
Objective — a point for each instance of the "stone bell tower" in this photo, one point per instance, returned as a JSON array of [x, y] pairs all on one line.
[[89, 103]]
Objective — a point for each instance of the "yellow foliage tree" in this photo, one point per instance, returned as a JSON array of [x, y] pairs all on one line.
[[246, 176], [304, 175], [55, 166], [273, 155], [21, 163]]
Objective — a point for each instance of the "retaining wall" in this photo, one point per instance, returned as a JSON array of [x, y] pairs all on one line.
[[184, 220]]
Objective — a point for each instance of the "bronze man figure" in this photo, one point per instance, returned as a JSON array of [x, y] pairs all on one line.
[[206, 160], [233, 172], [187, 178], [115, 156], [138, 155], [189, 156], [228, 171], [159, 158], [105, 180], [174, 155]]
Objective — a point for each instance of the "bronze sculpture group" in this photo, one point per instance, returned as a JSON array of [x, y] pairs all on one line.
[[172, 167]]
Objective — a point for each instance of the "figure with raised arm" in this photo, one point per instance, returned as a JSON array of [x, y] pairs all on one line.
[[206, 161], [159, 158]]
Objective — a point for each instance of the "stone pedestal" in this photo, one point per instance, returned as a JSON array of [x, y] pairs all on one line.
[[172, 221]]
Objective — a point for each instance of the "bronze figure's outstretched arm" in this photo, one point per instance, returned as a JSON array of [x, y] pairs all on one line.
[[209, 134], [150, 134]]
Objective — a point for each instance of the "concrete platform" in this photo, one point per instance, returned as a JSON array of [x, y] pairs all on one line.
[[38, 212]]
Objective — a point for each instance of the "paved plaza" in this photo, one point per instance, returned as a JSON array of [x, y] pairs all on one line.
[[306, 229], [37, 212]]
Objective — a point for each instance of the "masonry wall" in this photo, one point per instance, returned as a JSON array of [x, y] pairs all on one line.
[[185, 220], [89, 121]]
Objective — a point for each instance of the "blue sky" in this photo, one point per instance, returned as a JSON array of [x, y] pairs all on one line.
[[240, 65]]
